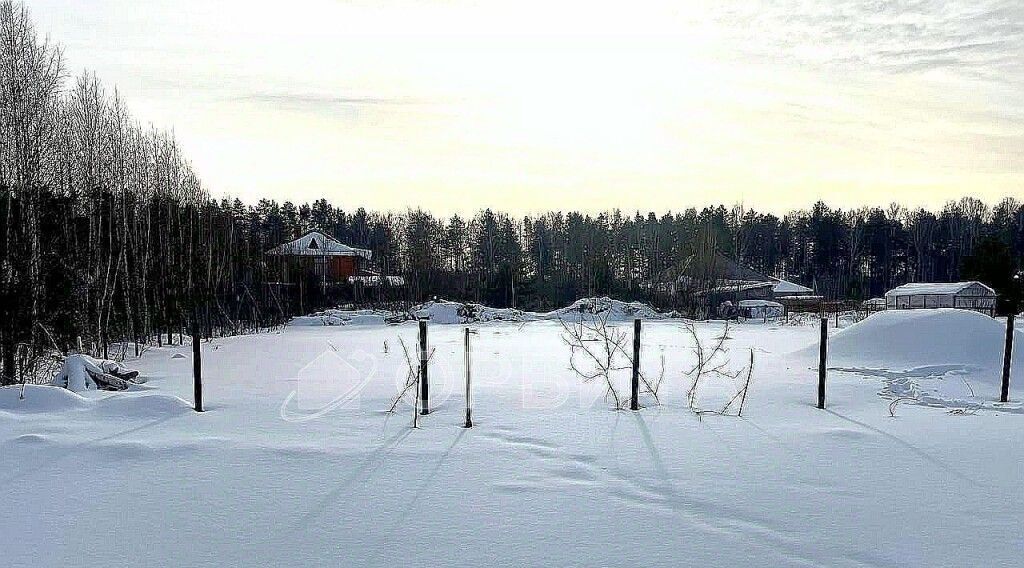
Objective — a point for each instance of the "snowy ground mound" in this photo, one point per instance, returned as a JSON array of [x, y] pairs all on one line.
[[346, 317], [615, 310], [942, 357], [49, 399], [910, 338], [447, 312], [40, 398]]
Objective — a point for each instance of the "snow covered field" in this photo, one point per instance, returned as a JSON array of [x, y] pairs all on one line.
[[274, 473]]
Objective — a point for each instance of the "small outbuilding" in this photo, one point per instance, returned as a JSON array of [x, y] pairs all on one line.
[[971, 295], [796, 297]]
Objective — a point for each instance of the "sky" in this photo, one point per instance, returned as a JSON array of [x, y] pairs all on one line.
[[531, 106]]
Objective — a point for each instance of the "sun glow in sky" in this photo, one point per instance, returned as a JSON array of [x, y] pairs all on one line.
[[529, 106]]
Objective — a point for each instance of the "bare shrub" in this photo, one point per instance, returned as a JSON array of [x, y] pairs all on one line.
[[714, 363], [412, 381], [598, 353]]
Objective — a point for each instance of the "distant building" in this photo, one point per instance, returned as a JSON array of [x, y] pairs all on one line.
[[796, 297], [718, 278], [971, 295], [873, 305], [316, 271], [322, 256], [783, 288]]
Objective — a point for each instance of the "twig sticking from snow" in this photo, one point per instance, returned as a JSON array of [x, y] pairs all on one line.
[[412, 380], [969, 387], [713, 361], [896, 402]]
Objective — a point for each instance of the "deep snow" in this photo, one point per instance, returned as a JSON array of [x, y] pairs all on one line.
[[275, 474], [942, 357]]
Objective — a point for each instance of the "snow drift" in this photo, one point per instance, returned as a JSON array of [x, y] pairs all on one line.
[[445, 312], [449, 312], [615, 310], [51, 399], [945, 358], [40, 398], [348, 317], [913, 338]]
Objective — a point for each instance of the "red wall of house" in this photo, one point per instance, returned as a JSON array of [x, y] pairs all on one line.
[[341, 267]]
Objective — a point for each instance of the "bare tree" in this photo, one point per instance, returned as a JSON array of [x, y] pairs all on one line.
[[30, 75]]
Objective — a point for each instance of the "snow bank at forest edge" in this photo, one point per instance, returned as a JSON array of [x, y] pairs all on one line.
[[616, 310], [348, 317], [449, 312]]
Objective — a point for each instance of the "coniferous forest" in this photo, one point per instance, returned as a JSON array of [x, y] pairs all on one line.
[[108, 235]]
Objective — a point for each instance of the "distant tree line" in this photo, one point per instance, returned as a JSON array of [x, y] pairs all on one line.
[[549, 260], [108, 235]]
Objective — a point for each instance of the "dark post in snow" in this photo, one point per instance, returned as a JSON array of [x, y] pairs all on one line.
[[197, 364], [469, 392], [823, 355], [1004, 393], [424, 383], [634, 403]]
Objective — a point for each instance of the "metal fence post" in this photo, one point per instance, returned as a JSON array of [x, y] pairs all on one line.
[[1004, 392], [197, 366], [823, 356], [469, 392], [635, 402], [424, 383]]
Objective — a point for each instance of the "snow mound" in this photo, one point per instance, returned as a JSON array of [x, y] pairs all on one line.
[[442, 311], [346, 317], [48, 399], [616, 310], [447, 312], [76, 373], [40, 398], [143, 405], [906, 339]]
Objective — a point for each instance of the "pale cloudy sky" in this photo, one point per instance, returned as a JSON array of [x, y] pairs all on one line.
[[537, 105]]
